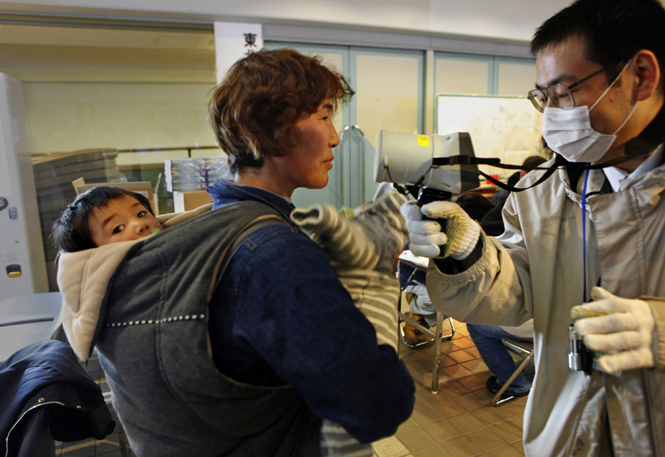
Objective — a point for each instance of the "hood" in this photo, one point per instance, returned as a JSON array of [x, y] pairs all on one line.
[[82, 279]]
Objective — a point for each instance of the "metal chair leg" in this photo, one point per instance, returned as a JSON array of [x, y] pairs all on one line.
[[424, 330], [435, 338], [437, 352], [497, 400]]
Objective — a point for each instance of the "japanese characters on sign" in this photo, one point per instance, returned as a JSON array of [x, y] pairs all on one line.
[[250, 41], [233, 41]]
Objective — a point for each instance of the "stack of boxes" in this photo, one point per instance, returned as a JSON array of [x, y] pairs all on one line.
[[54, 174]]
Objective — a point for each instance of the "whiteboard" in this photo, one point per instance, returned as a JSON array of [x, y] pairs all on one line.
[[508, 128]]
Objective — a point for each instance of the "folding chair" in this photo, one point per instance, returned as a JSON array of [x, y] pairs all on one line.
[[520, 347], [409, 268]]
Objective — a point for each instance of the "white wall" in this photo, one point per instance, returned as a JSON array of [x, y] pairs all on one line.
[[64, 117], [148, 89], [497, 19]]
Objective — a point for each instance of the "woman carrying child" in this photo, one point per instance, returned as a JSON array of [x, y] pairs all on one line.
[[279, 344]]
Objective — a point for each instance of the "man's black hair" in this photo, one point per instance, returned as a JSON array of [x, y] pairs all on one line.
[[613, 30], [71, 232]]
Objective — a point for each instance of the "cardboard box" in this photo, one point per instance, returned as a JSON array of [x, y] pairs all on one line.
[[141, 187], [185, 201]]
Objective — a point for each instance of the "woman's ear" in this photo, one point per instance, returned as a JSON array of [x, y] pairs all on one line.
[[647, 72]]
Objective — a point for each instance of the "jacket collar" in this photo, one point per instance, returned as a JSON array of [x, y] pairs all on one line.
[[645, 181], [224, 192], [617, 175]]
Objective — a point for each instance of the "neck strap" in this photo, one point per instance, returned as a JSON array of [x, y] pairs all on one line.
[[645, 143]]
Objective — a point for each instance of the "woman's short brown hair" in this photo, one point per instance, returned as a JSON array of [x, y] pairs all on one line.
[[253, 111]]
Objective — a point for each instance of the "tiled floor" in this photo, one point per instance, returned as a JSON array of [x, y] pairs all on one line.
[[457, 421]]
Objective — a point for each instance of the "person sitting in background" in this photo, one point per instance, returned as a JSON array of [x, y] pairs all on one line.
[[487, 339], [421, 309]]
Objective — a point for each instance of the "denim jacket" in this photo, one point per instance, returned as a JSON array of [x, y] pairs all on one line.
[[283, 318]]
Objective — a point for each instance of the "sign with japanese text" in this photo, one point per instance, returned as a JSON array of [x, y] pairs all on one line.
[[233, 41]]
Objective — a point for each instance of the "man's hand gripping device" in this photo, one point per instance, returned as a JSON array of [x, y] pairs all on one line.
[[430, 168]]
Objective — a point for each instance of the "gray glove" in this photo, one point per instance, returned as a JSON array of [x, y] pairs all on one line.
[[622, 328], [427, 239]]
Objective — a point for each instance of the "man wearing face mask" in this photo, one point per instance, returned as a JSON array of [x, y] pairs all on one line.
[[585, 247]]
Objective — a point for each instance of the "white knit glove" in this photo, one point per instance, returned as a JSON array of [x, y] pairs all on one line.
[[621, 327], [427, 239]]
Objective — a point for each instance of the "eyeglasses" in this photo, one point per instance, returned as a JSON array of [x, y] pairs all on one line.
[[560, 94]]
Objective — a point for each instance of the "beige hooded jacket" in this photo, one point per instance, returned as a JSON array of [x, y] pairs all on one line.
[[534, 270]]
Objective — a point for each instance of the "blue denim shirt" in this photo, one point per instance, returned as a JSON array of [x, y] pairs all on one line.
[[281, 316]]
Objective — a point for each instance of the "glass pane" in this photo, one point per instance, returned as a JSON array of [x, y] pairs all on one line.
[[69, 116], [462, 76], [115, 87], [516, 79], [92, 94], [388, 95], [389, 87]]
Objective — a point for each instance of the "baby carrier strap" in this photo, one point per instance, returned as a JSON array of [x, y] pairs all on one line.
[[245, 233]]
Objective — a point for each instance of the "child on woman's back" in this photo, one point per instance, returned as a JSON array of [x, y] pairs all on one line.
[[104, 215], [363, 252]]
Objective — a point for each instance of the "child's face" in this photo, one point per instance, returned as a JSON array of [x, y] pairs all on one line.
[[122, 219]]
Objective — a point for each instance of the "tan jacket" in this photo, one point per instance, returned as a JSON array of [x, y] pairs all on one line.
[[534, 270]]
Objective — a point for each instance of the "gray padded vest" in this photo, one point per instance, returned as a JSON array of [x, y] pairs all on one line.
[[154, 347]]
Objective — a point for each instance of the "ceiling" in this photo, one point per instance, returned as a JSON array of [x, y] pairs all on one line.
[[60, 48]]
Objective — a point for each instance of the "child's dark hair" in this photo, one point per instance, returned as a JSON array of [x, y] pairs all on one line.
[[71, 232]]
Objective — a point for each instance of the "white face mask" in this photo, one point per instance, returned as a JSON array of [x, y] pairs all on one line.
[[569, 131]]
